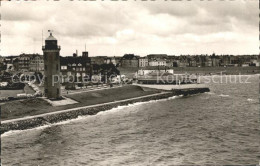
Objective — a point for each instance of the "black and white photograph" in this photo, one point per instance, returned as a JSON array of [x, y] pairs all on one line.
[[129, 82]]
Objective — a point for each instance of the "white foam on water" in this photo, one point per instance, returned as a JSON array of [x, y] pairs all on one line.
[[222, 95], [120, 108], [13, 132], [250, 99], [113, 110], [210, 93]]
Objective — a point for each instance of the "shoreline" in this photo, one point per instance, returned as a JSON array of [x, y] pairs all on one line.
[[58, 116], [30, 122]]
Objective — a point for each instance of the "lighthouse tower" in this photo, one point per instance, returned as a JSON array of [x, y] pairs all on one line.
[[51, 53]]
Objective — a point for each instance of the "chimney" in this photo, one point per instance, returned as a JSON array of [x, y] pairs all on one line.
[[85, 54]]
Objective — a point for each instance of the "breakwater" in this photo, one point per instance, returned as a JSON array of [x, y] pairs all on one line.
[[58, 116], [190, 91]]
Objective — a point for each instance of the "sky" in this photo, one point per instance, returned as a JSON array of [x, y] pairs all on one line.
[[114, 28]]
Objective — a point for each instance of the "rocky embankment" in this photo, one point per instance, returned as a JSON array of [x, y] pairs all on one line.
[[54, 117]]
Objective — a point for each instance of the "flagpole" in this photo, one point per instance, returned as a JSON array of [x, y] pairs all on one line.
[[42, 37]]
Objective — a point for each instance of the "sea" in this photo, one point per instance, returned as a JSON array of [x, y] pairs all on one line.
[[220, 127]]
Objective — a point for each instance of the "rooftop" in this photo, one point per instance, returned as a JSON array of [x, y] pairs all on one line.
[[51, 37], [156, 68]]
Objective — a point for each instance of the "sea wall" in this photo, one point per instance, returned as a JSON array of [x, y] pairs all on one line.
[[189, 91], [49, 118]]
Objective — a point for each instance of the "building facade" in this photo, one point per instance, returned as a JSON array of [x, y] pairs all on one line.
[[30, 63], [143, 62], [76, 66], [157, 63], [36, 63], [24, 62]]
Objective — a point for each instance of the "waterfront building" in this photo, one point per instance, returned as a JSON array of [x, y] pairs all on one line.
[[256, 62], [143, 62], [30, 62], [51, 53], [183, 64], [77, 66], [208, 62], [24, 61], [154, 70], [159, 62], [245, 65], [108, 60], [36, 63], [193, 62], [215, 62]]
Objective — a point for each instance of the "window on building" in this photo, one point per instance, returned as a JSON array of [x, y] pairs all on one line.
[[57, 67], [45, 67], [58, 91], [46, 90]]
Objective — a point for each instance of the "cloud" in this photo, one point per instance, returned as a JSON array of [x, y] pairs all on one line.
[[177, 9], [138, 27]]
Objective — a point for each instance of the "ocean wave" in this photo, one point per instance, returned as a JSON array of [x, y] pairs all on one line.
[[120, 108]]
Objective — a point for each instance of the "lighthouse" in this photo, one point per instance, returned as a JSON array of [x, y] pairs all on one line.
[[51, 53]]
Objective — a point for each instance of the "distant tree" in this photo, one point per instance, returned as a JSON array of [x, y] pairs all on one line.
[[128, 56], [107, 70]]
